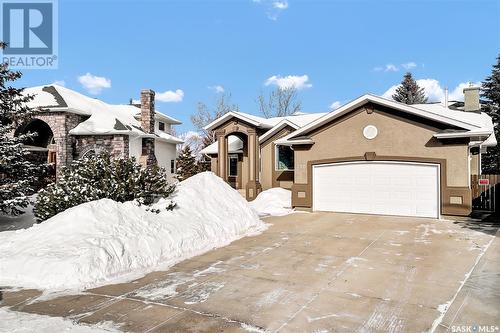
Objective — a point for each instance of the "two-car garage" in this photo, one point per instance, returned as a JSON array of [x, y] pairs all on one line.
[[377, 187]]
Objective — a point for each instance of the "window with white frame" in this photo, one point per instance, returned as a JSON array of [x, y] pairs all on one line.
[[161, 126], [284, 158], [172, 166], [233, 165]]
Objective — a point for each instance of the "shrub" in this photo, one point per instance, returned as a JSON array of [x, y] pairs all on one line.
[[99, 177]]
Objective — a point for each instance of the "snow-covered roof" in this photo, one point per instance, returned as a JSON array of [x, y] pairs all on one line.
[[234, 145], [272, 125], [299, 118], [103, 118], [472, 123]]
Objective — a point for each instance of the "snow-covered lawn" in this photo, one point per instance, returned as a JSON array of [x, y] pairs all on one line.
[[102, 241], [19, 322], [273, 202]]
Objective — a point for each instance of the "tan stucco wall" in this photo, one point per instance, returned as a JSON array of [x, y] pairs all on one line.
[[474, 164], [269, 176], [213, 163], [396, 137]]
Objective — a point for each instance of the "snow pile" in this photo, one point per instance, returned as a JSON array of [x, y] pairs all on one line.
[[274, 202], [18, 322], [102, 241]]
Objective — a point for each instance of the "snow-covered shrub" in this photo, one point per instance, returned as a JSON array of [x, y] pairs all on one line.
[[99, 177]]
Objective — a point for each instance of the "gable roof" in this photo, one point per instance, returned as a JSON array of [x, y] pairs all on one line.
[[278, 127], [469, 122], [103, 118]]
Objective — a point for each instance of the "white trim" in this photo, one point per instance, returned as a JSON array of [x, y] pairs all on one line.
[[229, 115], [279, 126], [382, 101], [462, 134], [439, 199], [284, 142]]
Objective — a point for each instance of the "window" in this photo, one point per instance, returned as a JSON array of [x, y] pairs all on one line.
[[284, 158], [233, 165], [161, 126], [172, 166]]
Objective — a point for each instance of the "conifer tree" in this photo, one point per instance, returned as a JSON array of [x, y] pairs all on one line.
[[186, 164], [18, 175], [101, 176], [409, 92], [490, 162]]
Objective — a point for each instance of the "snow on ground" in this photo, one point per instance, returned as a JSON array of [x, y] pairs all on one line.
[[273, 202], [106, 241], [19, 322]]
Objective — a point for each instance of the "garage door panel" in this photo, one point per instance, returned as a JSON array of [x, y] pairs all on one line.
[[388, 188]]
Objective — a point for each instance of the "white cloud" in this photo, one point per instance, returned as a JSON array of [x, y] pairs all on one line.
[[284, 82], [280, 5], [335, 105], [217, 88], [94, 84], [170, 96], [391, 68], [409, 65], [59, 83], [394, 68], [273, 7], [434, 91]]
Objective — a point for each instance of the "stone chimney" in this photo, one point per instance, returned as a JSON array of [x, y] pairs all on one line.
[[471, 99], [148, 110], [148, 157]]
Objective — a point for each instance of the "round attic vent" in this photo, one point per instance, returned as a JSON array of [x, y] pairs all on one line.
[[370, 132]]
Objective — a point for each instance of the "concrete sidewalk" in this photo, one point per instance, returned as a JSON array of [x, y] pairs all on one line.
[[310, 272]]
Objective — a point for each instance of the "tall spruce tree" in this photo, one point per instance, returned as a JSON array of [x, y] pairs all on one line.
[[409, 91], [491, 93], [186, 164], [18, 175]]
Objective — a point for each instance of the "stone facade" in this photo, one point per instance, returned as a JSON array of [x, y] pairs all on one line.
[[148, 157], [116, 145], [61, 123]]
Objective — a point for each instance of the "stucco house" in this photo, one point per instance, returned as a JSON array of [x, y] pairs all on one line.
[[72, 125], [372, 155]]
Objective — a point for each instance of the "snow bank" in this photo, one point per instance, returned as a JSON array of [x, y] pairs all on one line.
[[273, 202], [102, 241], [19, 322]]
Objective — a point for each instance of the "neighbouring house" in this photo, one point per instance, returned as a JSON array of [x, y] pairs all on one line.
[[372, 155], [71, 125]]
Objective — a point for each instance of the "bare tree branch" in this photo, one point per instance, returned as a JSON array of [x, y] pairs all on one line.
[[205, 115], [280, 103]]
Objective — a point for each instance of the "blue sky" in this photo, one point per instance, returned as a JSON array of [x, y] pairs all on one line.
[[333, 51]]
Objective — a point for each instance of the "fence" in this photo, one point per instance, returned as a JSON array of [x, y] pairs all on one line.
[[485, 192]]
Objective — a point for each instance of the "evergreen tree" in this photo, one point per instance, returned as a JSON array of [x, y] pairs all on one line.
[[409, 92], [98, 177], [18, 175], [186, 164], [491, 93]]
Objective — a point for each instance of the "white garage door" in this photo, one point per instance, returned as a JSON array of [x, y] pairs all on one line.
[[388, 188]]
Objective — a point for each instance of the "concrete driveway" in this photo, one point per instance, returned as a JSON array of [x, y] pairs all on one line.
[[310, 272]]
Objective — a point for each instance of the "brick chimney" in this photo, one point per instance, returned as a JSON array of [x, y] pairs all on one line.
[[471, 99], [148, 157]]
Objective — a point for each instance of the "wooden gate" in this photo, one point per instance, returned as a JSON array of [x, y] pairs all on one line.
[[485, 192]]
